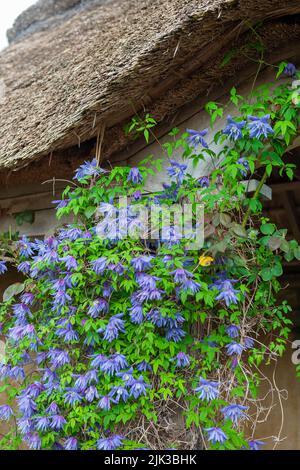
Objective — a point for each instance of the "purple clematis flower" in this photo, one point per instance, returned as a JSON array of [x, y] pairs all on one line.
[[143, 366], [26, 247], [99, 265], [109, 443], [27, 298], [135, 176], [248, 342], [33, 441], [191, 286], [113, 328], [196, 138], [234, 348], [139, 387], [88, 169], [6, 412], [3, 267], [71, 444], [234, 412], [141, 263], [234, 128], [255, 444], [52, 409], [233, 331], [91, 393], [126, 377], [245, 164], [119, 393], [72, 397], [24, 267], [175, 334], [182, 359], [57, 422], [216, 435], [42, 423], [181, 275], [177, 170], [25, 425], [136, 314], [227, 292], [105, 402], [70, 262], [99, 306], [26, 406], [260, 127], [290, 70], [207, 390], [204, 182]]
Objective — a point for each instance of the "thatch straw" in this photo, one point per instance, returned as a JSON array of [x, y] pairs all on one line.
[[108, 61]]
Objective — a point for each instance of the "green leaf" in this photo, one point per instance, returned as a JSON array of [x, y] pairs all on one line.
[[12, 291]]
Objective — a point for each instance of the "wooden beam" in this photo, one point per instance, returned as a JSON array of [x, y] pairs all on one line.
[[291, 212], [283, 187]]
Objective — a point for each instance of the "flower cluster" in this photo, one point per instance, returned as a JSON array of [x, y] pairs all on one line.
[[119, 331]]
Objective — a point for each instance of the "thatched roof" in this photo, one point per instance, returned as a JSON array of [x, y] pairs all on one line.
[[101, 63]]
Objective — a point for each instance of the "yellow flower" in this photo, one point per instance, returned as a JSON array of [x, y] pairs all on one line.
[[205, 260]]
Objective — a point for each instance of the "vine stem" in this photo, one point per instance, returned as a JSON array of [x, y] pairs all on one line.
[[257, 191]]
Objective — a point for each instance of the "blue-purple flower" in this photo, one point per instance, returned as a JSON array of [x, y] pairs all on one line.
[[248, 342], [260, 127], [245, 164], [25, 425], [98, 306], [120, 393], [207, 389], [88, 169], [105, 402], [57, 422], [182, 359], [175, 334], [6, 412], [234, 412], [137, 314], [177, 170], [26, 247], [181, 275], [3, 267], [114, 327], [135, 176], [141, 263], [72, 397], [216, 435], [26, 406], [255, 444], [91, 393], [227, 292], [234, 348], [42, 423], [99, 265], [233, 331], [70, 262], [234, 128], [33, 441], [204, 182], [143, 366], [110, 443], [290, 70], [196, 138], [139, 387], [71, 444]]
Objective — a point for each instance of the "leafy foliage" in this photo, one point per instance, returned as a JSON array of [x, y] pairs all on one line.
[[122, 334]]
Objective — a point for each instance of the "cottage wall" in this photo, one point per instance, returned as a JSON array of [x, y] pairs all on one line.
[[285, 411]]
